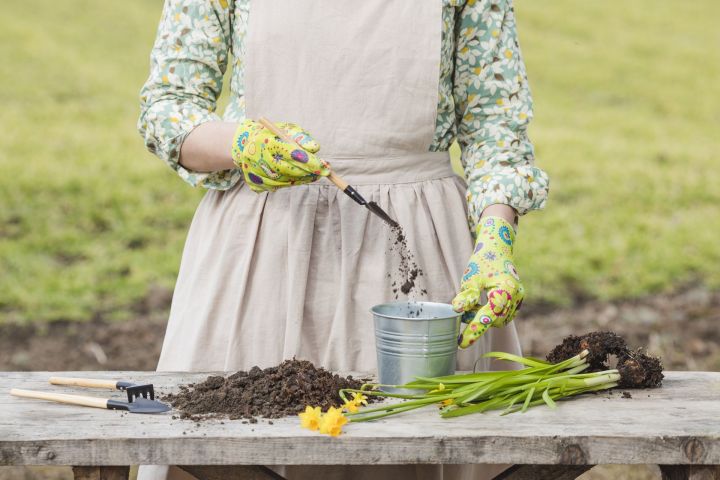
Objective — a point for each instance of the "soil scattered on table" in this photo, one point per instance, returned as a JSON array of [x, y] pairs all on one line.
[[637, 369], [270, 393]]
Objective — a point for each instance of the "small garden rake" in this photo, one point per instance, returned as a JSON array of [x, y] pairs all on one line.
[[133, 391]]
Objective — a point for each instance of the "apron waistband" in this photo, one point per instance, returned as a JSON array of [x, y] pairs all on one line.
[[406, 168]]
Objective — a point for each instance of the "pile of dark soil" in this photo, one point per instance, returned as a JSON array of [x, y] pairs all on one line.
[[637, 369], [271, 393]]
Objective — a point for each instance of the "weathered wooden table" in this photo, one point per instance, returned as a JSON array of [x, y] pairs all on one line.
[[677, 427]]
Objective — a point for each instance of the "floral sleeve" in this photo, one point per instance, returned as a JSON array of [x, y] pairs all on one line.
[[493, 108], [187, 64]]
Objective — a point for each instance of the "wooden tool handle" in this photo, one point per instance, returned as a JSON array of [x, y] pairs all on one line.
[[61, 397], [84, 382], [339, 182], [277, 131]]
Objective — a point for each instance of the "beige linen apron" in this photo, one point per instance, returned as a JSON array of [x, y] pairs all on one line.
[[294, 272]]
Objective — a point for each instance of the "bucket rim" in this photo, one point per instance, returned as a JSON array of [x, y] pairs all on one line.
[[396, 317]]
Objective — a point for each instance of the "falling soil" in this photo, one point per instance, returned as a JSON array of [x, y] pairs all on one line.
[[414, 310], [637, 369], [408, 271], [270, 393]]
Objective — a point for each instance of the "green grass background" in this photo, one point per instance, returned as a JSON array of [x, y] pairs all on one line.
[[627, 124]]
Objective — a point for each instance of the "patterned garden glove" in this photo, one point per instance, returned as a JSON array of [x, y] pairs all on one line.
[[269, 163], [490, 268]]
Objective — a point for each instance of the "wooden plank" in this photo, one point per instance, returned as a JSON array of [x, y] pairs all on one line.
[[690, 472], [101, 473], [543, 472], [671, 425], [209, 472]]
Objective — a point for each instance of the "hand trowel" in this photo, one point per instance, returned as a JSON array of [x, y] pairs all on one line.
[[334, 178]]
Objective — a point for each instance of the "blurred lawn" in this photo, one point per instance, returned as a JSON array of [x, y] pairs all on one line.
[[627, 124]]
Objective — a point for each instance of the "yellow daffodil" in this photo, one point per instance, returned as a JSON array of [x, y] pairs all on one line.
[[332, 421], [350, 406], [310, 418], [359, 399]]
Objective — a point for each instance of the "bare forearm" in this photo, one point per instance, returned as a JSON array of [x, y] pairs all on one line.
[[500, 210], [208, 147]]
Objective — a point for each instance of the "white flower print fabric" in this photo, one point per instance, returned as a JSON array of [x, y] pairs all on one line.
[[483, 101]]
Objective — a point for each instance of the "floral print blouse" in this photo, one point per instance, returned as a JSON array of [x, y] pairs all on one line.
[[484, 101]]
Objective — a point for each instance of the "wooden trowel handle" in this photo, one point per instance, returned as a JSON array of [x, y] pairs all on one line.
[[61, 398], [339, 182], [84, 382]]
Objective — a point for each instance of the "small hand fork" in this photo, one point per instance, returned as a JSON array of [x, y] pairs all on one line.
[[133, 391]]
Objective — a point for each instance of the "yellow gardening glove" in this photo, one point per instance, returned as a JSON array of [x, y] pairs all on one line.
[[269, 163], [491, 268]]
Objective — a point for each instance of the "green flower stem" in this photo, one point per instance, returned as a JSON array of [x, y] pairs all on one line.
[[363, 417], [400, 405], [540, 382]]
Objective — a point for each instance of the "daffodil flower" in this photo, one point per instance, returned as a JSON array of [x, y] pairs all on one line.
[[310, 418], [359, 399], [350, 406], [332, 421]]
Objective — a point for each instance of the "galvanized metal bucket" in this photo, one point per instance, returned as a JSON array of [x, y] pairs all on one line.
[[415, 339]]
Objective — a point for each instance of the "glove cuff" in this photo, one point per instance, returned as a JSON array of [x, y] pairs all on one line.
[[492, 227], [240, 141]]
